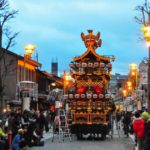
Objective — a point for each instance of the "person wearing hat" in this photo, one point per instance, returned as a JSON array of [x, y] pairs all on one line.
[[17, 140]]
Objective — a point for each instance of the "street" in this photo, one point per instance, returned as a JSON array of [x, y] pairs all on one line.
[[116, 143]]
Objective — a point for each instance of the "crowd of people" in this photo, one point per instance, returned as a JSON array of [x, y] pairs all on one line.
[[26, 128], [137, 124]]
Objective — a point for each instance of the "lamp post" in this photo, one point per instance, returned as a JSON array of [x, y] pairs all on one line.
[[66, 81], [134, 75], [134, 78], [129, 86], [124, 92], [146, 31], [29, 48]]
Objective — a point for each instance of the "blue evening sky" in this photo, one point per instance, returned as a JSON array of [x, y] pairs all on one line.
[[54, 26]]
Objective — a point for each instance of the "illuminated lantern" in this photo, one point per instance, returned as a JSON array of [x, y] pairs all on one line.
[[66, 96], [77, 95], [98, 89], [107, 96], [90, 64], [78, 64], [109, 65], [89, 96], [96, 64], [95, 96], [81, 89], [82, 95], [84, 64], [70, 95], [102, 65], [101, 96]]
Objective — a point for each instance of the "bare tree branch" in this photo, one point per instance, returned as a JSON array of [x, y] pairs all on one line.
[[4, 5], [11, 40], [7, 16]]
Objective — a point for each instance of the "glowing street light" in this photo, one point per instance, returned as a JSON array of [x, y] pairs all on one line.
[[67, 78], [124, 93], [29, 48], [134, 74]]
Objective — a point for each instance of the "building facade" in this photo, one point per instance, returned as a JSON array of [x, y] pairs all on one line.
[[13, 69]]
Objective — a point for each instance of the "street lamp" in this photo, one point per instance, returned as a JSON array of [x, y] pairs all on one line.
[[67, 77], [146, 31], [29, 48], [134, 74], [124, 92]]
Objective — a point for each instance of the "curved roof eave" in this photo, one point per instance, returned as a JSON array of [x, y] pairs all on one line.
[[93, 52]]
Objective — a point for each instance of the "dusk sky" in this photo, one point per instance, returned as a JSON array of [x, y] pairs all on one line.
[[54, 26]]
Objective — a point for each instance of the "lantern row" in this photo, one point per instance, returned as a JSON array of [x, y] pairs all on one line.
[[96, 64], [88, 96]]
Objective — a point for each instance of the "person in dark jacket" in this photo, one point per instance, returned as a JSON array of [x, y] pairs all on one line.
[[146, 117], [126, 123], [138, 128]]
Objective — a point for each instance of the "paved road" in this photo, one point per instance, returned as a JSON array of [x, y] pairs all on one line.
[[116, 143]]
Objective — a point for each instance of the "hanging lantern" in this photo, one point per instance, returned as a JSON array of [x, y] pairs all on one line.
[[102, 65], [84, 64], [109, 65], [96, 64], [101, 96], [82, 95], [90, 64], [78, 64], [70, 96], [66, 96], [98, 89], [81, 89], [95, 96], [77, 96], [89, 96], [107, 96]]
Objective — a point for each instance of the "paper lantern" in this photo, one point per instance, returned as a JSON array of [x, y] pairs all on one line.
[[82, 95], [89, 96], [98, 89], [96, 64], [81, 89], [77, 95], [101, 96], [102, 65], [70, 95], [95, 96]]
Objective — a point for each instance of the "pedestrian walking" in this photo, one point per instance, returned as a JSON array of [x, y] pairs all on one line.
[[126, 123], [138, 128]]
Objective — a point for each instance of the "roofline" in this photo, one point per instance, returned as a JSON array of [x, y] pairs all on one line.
[[94, 53], [33, 62]]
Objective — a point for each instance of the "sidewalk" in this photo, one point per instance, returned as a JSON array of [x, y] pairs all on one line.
[[47, 135]]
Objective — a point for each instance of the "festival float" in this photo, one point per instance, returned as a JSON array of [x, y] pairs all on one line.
[[89, 101]]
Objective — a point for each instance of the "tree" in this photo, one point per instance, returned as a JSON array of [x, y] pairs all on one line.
[[144, 19], [6, 15]]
